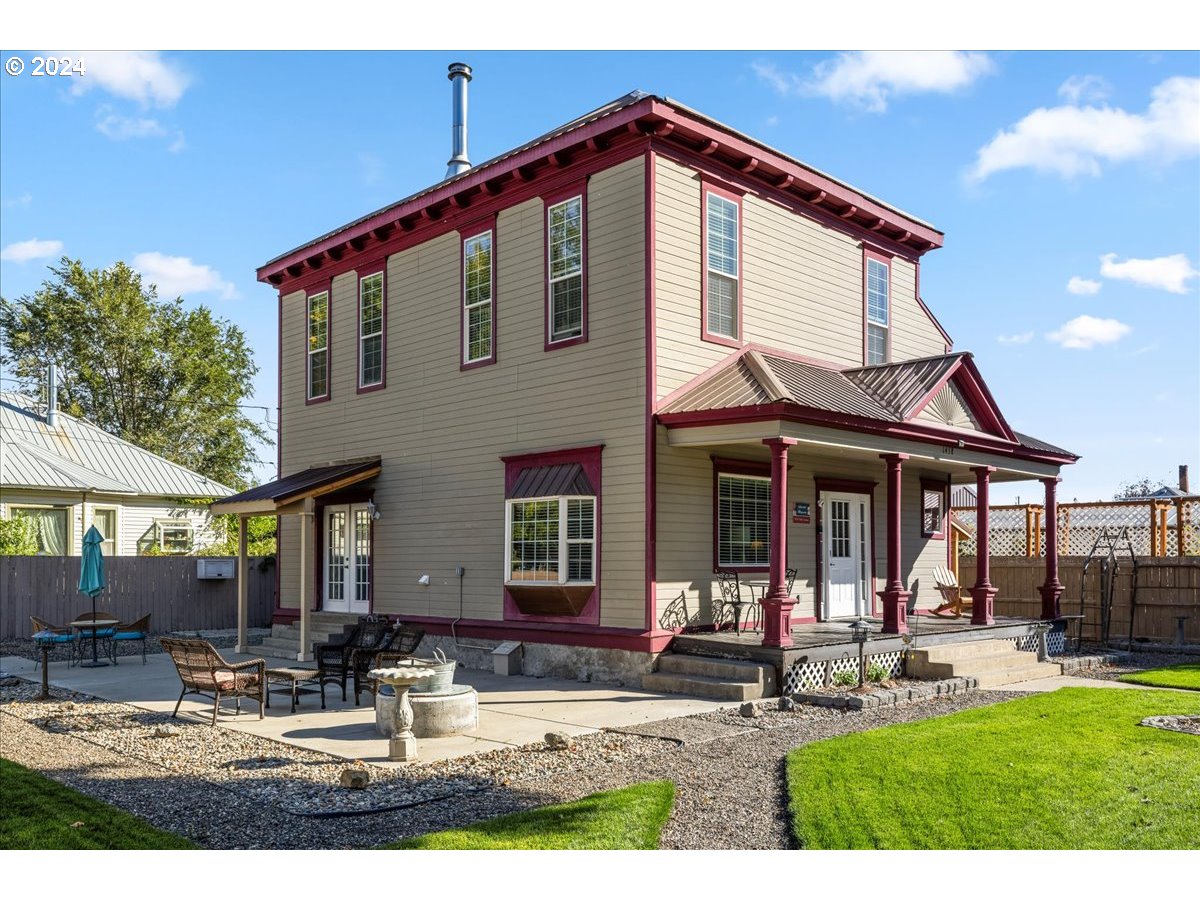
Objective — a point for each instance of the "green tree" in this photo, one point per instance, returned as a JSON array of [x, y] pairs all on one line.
[[1139, 488], [18, 536], [150, 371]]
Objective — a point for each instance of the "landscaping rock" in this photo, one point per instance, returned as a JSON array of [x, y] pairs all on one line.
[[750, 711], [786, 704], [355, 779], [162, 731], [559, 740], [1185, 724]]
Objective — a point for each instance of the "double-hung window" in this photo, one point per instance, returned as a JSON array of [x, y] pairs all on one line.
[[174, 536], [478, 300], [552, 540], [722, 276], [318, 346], [566, 302], [105, 520], [878, 290], [743, 525], [370, 331]]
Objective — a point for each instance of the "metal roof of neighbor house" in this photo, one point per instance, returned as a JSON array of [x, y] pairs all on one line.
[[78, 456], [308, 482]]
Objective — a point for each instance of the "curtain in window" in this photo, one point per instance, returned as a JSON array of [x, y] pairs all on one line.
[[50, 525]]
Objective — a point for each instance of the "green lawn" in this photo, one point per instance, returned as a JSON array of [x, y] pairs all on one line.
[[631, 818], [1068, 769], [37, 813], [1183, 676]]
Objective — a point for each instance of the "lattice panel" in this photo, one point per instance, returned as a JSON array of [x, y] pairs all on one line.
[[804, 676], [891, 660], [1080, 526], [844, 665], [1056, 643], [1027, 642]]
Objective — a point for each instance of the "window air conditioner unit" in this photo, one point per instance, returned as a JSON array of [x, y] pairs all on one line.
[[214, 568]]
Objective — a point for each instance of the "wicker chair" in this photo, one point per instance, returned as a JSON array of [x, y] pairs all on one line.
[[133, 631], [334, 658], [400, 644], [53, 637], [204, 672]]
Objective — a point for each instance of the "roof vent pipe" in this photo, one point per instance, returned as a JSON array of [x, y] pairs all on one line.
[[52, 397], [460, 74]]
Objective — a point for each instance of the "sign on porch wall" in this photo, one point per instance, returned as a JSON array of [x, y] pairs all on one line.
[[801, 514]]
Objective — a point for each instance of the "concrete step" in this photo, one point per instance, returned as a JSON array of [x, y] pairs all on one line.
[[276, 652], [744, 671], [1013, 659], [963, 650], [701, 686], [1013, 676]]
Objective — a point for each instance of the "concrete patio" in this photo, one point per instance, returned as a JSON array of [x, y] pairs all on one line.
[[513, 710]]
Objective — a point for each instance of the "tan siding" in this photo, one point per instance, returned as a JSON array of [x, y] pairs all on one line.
[[441, 432], [685, 526], [802, 286]]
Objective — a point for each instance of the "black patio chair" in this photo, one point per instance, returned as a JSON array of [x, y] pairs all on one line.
[[730, 606], [400, 644], [334, 658]]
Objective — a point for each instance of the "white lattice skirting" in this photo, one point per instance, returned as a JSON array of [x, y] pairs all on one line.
[[808, 676]]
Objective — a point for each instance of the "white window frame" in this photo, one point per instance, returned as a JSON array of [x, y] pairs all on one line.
[[115, 538], [68, 543], [308, 335], [577, 272], [363, 338], [721, 562], [709, 271], [883, 324], [161, 524], [489, 302], [564, 559]]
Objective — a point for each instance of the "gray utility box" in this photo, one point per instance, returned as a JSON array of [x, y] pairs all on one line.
[[215, 567], [506, 658]]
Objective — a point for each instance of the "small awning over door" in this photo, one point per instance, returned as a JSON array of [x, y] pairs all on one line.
[[270, 498]]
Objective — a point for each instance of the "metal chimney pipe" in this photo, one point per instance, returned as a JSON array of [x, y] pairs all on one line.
[[52, 397], [1183, 479], [460, 74]]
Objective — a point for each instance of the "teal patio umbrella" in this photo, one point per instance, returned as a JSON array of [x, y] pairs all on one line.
[[91, 581]]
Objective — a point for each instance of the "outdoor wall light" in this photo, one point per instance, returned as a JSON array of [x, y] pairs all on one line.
[[424, 579], [859, 630], [373, 510]]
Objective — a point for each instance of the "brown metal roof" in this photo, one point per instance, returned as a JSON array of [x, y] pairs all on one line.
[[307, 483], [826, 389], [900, 386], [1034, 444], [564, 479]]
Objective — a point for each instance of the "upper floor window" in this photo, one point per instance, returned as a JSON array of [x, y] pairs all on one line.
[[878, 284], [318, 346], [566, 298], [722, 255], [370, 331], [478, 299]]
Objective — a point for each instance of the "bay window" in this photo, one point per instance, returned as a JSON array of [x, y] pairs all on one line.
[[552, 540]]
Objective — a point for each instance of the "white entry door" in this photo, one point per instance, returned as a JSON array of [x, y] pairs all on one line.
[[347, 563], [847, 526]]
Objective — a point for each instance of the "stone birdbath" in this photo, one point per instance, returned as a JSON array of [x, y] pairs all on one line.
[[403, 744]]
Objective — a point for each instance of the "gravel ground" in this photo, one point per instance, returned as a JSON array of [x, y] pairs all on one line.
[[223, 639], [728, 772], [1136, 662]]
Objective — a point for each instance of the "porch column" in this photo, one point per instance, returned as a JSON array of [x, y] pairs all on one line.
[[243, 587], [304, 654], [894, 595], [777, 605], [983, 593], [1052, 590]]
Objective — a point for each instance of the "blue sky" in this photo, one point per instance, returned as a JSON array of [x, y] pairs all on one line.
[[1039, 167]]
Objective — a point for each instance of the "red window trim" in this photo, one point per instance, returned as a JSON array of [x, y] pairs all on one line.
[[575, 189], [709, 186], [885, 258], [589, 459], [371, 388], [327, 290], [841, 486], [938, 487], [465, 233], [725, 466]]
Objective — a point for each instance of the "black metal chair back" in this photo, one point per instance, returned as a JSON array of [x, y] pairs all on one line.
[[730, 608]]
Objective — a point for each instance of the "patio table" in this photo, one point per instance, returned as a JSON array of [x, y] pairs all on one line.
[[293, 677], [762, 586], [94, 626]]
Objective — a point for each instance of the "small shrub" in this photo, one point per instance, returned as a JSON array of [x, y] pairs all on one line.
[[845, 679], [18, 536], [878, 673]]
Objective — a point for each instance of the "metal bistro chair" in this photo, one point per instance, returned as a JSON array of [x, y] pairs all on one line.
[[102, 634], [399, 644], [134, 631], [52, 637], [757, 625], [731, 600]]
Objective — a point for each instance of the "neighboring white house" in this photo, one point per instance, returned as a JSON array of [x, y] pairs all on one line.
[[67, 474]]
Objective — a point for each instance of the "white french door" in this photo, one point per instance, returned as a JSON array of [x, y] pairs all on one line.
[[347, 562], [847, 563]]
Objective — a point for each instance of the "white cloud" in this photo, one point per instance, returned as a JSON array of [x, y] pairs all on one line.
[[772, 121], [178, 275], [1167, 273], [1085, 332], [141, 75], [122, 128], [869, 79], [1084, 287], [1089, 88], [1023, 338], [22, 201], [1077, 140], [24, 251]]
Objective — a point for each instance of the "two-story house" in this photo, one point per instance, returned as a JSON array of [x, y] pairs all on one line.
[[544, 397]]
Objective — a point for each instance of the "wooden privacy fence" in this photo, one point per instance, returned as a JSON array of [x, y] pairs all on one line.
[[1156, 527], [1167, 588], [164, 586]]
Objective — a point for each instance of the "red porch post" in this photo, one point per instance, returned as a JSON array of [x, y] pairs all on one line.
[[894, 595], [983, 593], [777, 605], [1052, 590]]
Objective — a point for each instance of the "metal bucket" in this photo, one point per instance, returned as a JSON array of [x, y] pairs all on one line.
[[442, 679]]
